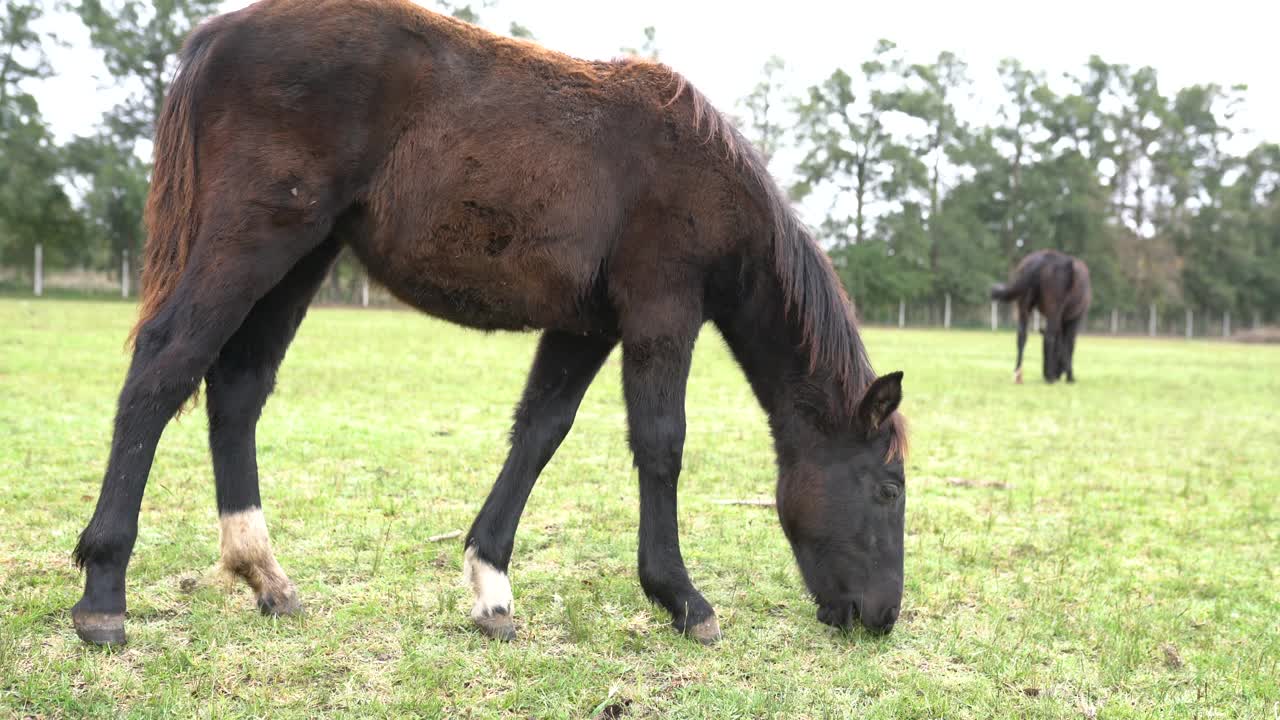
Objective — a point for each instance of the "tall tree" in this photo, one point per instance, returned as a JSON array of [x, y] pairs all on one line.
[[763, 103], [849, 150], [33, 206], [139, 42], [1023, 115], [111, 180], [23, 55], [933, 105]]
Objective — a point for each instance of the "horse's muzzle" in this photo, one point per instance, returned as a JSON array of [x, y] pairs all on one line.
[[842, 616], [837, 616]]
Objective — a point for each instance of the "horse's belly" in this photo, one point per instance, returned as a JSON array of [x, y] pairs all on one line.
[[523, 291], [489, 250], [478, 305]]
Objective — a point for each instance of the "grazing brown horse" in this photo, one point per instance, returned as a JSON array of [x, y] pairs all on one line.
[[500, 186], [1057, 285]]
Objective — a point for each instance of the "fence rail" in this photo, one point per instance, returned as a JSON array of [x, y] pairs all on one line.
[[1152, 320], [355, 289]]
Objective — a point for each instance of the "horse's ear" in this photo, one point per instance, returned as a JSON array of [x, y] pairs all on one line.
[[879, 401]]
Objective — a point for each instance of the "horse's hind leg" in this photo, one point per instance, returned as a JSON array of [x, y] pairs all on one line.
[[1053, 342], [174, 349], [237, 387], [562, 371], [1070, 330]]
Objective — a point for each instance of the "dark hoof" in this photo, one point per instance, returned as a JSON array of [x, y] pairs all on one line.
[[496, 624], [280, 604], [706, 632], [96, 628]]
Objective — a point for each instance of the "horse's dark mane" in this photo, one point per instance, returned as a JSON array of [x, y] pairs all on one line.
[[814, 296]]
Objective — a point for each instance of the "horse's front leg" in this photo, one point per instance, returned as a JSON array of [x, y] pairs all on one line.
[[562, 371], [655, 369]]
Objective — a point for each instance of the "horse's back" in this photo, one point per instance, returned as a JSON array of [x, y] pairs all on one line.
[[483, 179]]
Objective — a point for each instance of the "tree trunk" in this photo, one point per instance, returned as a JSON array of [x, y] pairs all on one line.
[[861, 194], [933, 201]]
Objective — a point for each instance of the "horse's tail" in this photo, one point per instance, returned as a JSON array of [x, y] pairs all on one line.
[[1006, 292], [1023, 281], [171, 216]]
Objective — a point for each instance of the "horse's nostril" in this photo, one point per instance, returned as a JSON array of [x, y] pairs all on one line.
[[881, 622]]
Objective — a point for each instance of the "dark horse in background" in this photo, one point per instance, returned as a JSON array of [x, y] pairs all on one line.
[[1058, 286], [500, 186]]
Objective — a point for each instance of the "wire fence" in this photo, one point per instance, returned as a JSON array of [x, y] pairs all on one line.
[[1154, 320], [348, 285]]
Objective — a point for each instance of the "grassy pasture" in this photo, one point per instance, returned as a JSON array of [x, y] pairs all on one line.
[[1107, 550]]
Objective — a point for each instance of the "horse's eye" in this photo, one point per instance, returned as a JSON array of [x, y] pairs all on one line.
[[890, 492]]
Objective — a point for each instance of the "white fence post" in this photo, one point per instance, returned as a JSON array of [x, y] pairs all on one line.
[[995, 315], [39, 279], [1035, 321], [1226, 323], [364, 292], [1190, 320], [1151, 324], [124, 274], [946, 313], [1115, 321], [1257, 319], [902, 313]]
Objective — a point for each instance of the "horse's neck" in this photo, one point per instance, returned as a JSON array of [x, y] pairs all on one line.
[[767, 345]]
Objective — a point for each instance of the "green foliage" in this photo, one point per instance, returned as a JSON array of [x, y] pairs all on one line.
[[113, 182], [921, 200], [848, 149], [139, 42], [520, 31], [764, 126], [1135, 181], [649, 50], [34, 208], [466, 12]]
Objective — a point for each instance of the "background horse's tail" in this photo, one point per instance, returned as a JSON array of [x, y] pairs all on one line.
[[171, 217], [1006, 292], [1024, 280]]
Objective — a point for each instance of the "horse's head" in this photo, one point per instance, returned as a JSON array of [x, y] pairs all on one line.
[[842, 505]]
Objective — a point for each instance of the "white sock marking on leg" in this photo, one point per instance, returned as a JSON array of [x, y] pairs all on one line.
[[490, 585], [246, 551]]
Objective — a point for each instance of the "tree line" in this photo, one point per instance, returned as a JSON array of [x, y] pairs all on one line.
[[1103, 164], [923, 200]]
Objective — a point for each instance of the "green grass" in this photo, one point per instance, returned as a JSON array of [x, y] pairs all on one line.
[[1105, 550]]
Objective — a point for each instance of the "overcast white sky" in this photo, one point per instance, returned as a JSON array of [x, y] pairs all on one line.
[[720, 45]]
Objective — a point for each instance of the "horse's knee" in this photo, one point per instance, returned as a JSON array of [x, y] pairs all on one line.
[[538, 426], [658, 445]]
